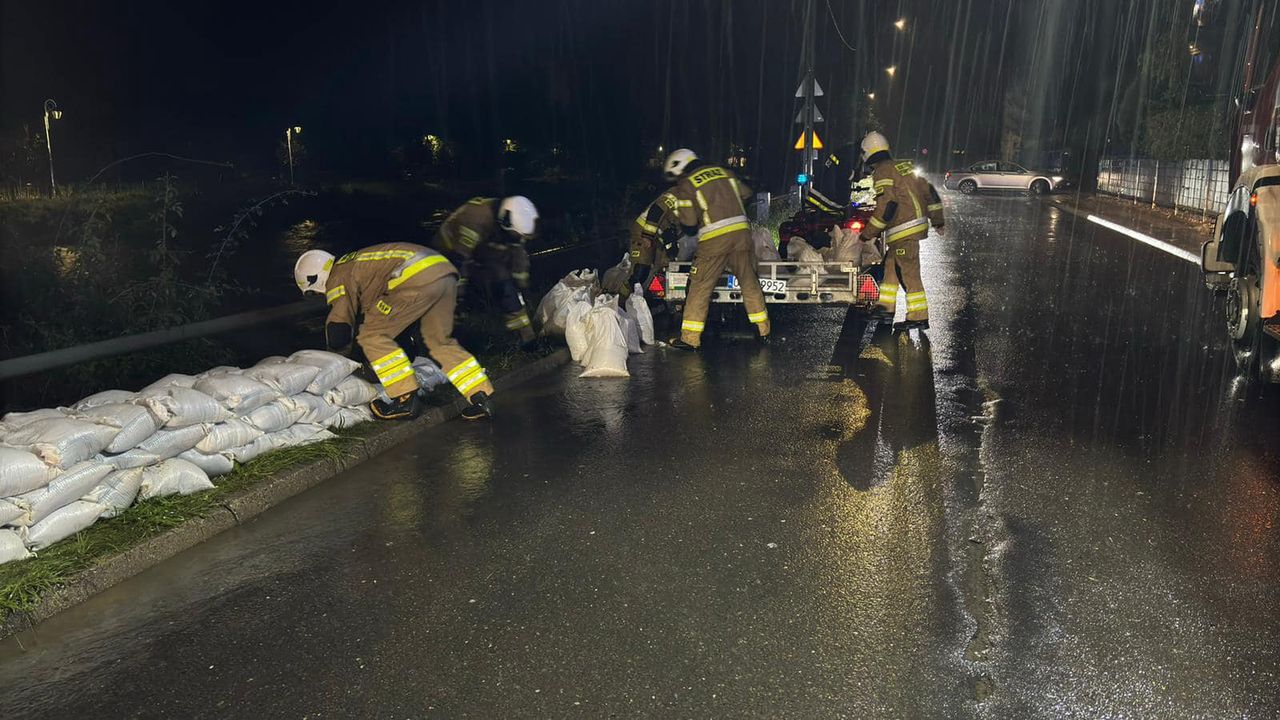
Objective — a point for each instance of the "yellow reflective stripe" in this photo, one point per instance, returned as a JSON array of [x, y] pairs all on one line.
[[702, 203], [414, 269], [394, 376], [878, 223], [908, 232], [384, 255], [471, 382], [935, 206], [887, 182], [915, 204], [470, 238], [724, 230], [462, 369], [645, 225], [520, 275], [393, 358], [335, 293], [692, 326], [516, 323], [762, 316], [888, 291]]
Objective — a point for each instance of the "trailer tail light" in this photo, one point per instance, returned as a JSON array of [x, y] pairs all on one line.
[[854, 225], [656, 287], [868, 291]]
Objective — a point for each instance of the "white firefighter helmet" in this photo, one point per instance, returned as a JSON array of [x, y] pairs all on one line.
[[518, 216], [676, 163], [873, 143], [312, 271]]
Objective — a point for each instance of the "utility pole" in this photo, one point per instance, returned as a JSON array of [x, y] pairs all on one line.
[[810, 83], [51, 112]]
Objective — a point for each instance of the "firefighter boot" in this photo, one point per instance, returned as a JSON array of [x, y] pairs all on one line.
[[403, 407], [679, 344], [479, 407]]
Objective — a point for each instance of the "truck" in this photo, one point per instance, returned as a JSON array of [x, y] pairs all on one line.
[[1242, 258]]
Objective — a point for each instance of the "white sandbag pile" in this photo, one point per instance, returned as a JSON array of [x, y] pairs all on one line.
[[599, 330], [553, 311], [61, 469]]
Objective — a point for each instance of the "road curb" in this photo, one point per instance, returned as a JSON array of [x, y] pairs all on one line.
[[244, 505]]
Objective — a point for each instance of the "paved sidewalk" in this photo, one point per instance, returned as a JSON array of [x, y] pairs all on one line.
[[1184, 230]]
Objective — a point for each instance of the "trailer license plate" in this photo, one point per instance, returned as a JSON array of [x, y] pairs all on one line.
[[769, 286]]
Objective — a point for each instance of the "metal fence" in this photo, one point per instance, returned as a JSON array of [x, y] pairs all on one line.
[[1189, 184]]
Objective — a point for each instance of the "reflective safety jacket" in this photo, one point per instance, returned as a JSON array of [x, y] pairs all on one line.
[[906, 203], [647, 232], [710, 198], [474, 226], [365, 282]]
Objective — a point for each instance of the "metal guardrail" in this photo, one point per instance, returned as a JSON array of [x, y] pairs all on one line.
[[53, 359]]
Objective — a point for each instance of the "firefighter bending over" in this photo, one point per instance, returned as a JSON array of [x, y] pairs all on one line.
[[391, 286], [709, 198], [906, 204]]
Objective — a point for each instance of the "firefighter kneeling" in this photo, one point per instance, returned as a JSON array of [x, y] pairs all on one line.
[[392, 286]]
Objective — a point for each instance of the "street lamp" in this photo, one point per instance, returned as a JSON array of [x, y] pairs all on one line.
[[901, 24], [288, 141], [871, 96], [891, 70], [51, 112]]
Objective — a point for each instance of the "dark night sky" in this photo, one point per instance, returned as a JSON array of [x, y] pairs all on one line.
[[607, 80]]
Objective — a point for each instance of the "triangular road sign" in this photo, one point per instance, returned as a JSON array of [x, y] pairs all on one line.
[[817, 142], [817, 89], [817, 115]]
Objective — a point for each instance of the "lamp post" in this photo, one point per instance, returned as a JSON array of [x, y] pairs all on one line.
[[51, 112], [288, 141]]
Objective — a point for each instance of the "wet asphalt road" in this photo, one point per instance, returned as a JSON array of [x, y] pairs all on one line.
[[1053, 504]]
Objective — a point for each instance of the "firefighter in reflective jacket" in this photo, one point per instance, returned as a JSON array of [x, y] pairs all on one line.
[[906, 205], [652, 233], [485, 238], [709, 198], [382, 290]]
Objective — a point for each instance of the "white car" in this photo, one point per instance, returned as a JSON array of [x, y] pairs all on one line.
[[1001, 175]]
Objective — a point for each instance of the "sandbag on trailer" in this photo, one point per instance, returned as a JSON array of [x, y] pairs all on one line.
[[64, 441], [333, 368]]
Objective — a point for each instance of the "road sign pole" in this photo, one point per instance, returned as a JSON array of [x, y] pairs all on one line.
[[809, 86]]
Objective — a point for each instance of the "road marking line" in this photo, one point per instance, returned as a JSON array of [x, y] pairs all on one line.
[[1140, 237]]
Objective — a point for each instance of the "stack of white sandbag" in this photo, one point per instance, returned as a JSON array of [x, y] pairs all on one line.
[[602, 332], [552, 313], [63, 468]]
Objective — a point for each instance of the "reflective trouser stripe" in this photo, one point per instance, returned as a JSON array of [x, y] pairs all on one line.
[[917, 301], [518, 320], [762, 316], [413, 268], [935, 206], [888, 294], [335, 293], [692, 326], [878, 223], [392, 368], [467, 376]]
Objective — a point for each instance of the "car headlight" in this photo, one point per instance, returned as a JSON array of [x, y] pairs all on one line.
[[1057, 179]]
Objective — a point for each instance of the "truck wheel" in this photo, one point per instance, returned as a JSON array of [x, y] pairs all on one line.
[[1254, 350], [968, 187], [1038, 188]]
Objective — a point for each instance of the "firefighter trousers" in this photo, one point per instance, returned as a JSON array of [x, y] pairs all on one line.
[[431, 305], [703, 277], [902, 268]]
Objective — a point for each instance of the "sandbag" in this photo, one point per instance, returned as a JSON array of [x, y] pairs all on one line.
[[106, 397], [63, 442], [584, 278], [316, 408], [272, 360], [241, 394], [606, 353], [427, 373], [639, 309], [179, 407], [12, 546], [136, 423], [21, 471], [62, 490], [277, 416], [168, 381], [352, 391], [686, 248], [12, 512], [800, 251], [762, 244], [226, 435], [549, 307], [349, 417], [300, 434], [575, 328], [284, 377], [332, 366], [63, 523], [616, 278], [213, 464], [163, 445], [173, 477], [630, 331], [14, 420], [117, 491]]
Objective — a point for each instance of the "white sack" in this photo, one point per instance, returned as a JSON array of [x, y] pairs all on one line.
[[687, 248], [316, 409], [615, 278], [575, 328], [762, 243], [226, 435], [240, 393], [584, 278], [12, 512], [272, 360], [352, 391], [63, 523], [12, 546], [163, 445], [106, 397], [14, 420], [630, 331], [21, 471], [300, 434], [606, 354], [283, 377], [639, 310], [349, 417], [179, 407], [63, 490], [277, 416], [333, 368], [173, 477], [136, 423], [117, 491], [168, 381], [213, 464], [427, 373], [550, 306], [63, 442]]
